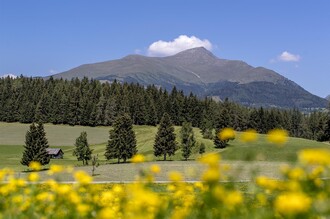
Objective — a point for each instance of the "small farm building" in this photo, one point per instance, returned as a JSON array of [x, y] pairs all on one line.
[[55, 153]]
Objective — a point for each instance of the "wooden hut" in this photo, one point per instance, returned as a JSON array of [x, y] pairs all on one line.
[[55, 153]]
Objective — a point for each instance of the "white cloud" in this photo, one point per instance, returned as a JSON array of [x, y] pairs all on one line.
[[183, 42], [10, 75], [288, 57]]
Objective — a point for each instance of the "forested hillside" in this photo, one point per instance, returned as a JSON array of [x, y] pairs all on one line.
[[92, 103]]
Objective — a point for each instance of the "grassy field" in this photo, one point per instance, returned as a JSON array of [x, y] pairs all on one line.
[[242, 157]]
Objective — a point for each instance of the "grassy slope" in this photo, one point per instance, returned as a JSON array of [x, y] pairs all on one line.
[[12, 138]]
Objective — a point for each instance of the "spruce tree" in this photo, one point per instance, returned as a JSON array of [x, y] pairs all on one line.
[[82, 150], [201, 149], [187, 139], [35, 146], [122, 141], [165, 143]]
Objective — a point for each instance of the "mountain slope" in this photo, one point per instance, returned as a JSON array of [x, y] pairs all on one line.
[[199, 71]]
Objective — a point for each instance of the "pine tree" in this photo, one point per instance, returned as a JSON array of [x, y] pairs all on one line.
[[165, 143], [122, 141], [201, 149], [35, 146], [82, 150], [187, 139], [222, 121]]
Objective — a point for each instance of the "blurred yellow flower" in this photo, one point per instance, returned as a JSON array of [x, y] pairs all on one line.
[[318, 156], [138, 158], [211, 175], [175, 176], [249, 135], [82, 177], [277, 136], [55, 169], [34, 165], [292, 203], [226, 134], [63, 189], [33, 177], [267, 183], [233, 199], [296, 173], [83, 209], [211, 159], [155, 168]]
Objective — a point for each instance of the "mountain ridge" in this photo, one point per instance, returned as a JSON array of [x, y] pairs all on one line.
[[200, 71]]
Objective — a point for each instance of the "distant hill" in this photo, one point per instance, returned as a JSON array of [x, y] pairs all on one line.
[[8, 75], [199, 71], [328, 97]]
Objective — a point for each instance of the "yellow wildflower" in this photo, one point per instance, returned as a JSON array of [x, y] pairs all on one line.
[[226, 134], [33, 177], [34, 165], [211, 159], [233, 199], [249, 135], [55, 169], [138, 158], [175, 176], [82, 177], [318, 156], [277, 136], [17, 199], [107, 213], [268, 183], [292, 203], [45, 197], [63, 189], [211, 175], [83, 209], [296, 173], [155, 169], [74, 197], [219, 193]]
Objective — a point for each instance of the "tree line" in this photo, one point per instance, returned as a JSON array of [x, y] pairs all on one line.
[[121, 144], [92, 103]]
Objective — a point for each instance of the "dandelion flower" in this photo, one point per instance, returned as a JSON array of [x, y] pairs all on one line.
[[249, 135], [226, 134], [138, 158], [277, 136]]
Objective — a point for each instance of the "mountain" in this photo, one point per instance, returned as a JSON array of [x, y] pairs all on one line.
[[8, 75], [201, 72], [328, 97]]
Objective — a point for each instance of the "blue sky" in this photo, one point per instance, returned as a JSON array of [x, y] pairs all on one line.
[[39, 37]]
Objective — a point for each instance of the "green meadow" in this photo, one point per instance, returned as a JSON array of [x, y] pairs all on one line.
[[243, 157]]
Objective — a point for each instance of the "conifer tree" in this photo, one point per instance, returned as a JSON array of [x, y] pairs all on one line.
[[187, 139], [165, 143], [35, 146], [122, 141], [201, 149], [222, 121], [82, 150]]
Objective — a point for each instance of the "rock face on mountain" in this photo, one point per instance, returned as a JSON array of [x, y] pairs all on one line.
[[199, 71]]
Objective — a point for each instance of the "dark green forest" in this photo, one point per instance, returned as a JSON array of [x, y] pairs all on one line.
[[92, 103]]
